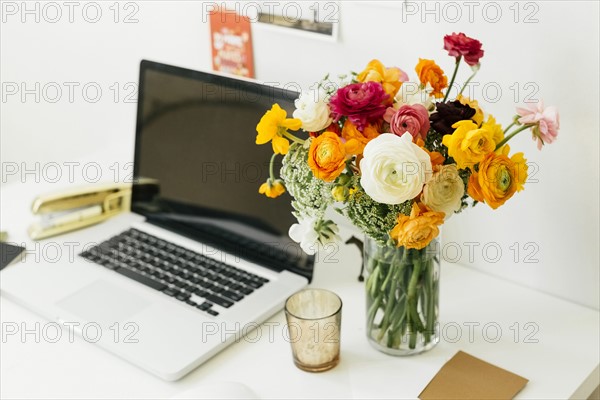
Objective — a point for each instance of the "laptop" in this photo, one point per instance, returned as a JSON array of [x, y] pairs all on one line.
[[202, 257]]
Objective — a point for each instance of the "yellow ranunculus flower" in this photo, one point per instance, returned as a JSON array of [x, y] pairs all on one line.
[[388, 77], [429, 72], [494, 128], [498, 178], [419, 229], [272, 188], [520, 170], [272, 127], [469, 144], [478, 117]]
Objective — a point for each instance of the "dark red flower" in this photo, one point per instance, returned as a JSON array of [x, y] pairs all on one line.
[[459, 44], [360, 102], [447, 114]]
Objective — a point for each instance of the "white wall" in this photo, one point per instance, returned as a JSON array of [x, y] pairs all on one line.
[[556, 217]]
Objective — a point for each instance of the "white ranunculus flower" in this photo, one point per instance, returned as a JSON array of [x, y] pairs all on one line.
[[444, 191], [313, 233], [394, 169], [410, 94], [304, 233], [313, 111]]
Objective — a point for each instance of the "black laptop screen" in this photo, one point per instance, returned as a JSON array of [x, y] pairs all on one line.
[[200, 168]]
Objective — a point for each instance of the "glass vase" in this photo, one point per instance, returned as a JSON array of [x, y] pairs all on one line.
[[402, 290]]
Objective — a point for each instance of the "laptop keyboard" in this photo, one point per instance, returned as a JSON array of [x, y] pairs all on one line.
[[188, 276], [276, 257]]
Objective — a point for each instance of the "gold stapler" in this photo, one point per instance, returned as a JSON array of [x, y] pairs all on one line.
[[78, 208]]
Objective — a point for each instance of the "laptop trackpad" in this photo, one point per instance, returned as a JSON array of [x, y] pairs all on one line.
[[103, 303]]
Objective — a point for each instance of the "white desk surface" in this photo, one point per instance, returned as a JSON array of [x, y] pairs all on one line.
[[563, 363]]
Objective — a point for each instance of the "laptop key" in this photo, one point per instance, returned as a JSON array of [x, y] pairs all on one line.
[[223, 281], [204, 306], [219, 300], [244, 281], [145, 270], [208, 286], [236, 286], [212, 312], [186, 276], [232, 295], [182, 296], [227, 273], [217, 289], [180, 284], [246, 290], [111, 265], [179, 251], [254, 284], [171, 292], [195, 280], [141, 278]]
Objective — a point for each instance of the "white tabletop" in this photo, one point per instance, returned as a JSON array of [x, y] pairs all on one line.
[[550, 341]]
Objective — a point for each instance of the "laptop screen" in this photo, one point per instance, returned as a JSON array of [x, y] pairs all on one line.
[[198, 169]]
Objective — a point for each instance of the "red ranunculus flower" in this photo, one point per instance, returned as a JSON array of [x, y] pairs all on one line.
[[360, 102], [459, 44]]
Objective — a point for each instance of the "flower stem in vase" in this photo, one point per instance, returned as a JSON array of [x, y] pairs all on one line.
[[401, 298], [413, 299], [390, 296], [429, 301]]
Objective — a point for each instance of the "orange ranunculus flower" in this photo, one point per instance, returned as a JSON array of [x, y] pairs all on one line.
[[357, 140], [498, 178], [272, 188], [437, 159], [390, 78], [429, 72], [419, 229], [272, 127], [327, 156]]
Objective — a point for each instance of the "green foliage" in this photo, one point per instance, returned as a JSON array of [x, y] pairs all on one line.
[[465, 174], [433, 142], [311, 196], [373, 218]]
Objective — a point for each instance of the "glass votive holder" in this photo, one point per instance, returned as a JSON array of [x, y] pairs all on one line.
[[314, 318]]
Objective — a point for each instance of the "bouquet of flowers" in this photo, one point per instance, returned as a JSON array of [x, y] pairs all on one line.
[[397, 163]]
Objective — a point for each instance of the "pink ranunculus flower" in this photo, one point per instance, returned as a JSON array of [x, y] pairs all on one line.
[[403, 75], [546, 122], [413, 119], [459, 44], [360, 102]]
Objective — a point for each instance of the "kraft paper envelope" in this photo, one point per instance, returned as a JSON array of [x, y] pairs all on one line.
[[467, 377]]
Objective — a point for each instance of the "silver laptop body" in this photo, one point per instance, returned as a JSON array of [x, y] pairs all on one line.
[[158, 332]]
